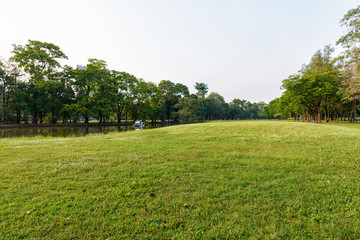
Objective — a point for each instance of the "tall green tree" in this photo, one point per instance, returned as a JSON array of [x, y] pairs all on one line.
[[351, 42], [94, 89], [40, 61], [141, 95], [105, 89], [171, 93], [351, 21], [9, 74], [189, 108], [124, 83], [216, 106], [239, 109], [202, 89], [315, 87], [20, 103]]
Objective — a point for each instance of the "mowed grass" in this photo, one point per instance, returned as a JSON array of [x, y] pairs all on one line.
[[217, 180]]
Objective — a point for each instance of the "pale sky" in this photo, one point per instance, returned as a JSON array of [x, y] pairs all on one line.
[[240, 48]]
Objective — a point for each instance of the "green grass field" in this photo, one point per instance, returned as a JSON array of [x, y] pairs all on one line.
[[217, 180]]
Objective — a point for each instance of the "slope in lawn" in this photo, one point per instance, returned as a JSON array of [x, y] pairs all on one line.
[[259, 179]]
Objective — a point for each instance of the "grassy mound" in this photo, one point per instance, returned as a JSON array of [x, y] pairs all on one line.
[[245, 179]]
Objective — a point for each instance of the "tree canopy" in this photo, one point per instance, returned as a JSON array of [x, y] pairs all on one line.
[[36, 88], [327, 88]]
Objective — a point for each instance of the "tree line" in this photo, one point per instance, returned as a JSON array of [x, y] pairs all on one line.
[[36, 88], [327, 88]]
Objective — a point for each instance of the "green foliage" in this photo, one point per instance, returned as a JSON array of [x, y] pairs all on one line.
[[314, 91], [9, 72], [171, 93], [39, 59], [94, 89], [202, 89], [72, 111], [351, 21], [188, 108], [124, 83], [141, 95], [44, 91], [326, 87], [216, 106], [240, 109]]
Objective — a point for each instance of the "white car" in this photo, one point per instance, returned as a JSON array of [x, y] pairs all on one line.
[[138, 124]]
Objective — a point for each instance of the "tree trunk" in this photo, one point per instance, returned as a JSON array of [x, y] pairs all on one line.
[[53, 118], [326, 116], [126, 119], [100, 118], [335, 116], [119, 111], [354, 109], [308, 119], [4, 106], [350, 118], [35, 119], [18, 116]]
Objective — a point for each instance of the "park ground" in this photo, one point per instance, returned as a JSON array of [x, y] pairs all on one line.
[[215, 180]]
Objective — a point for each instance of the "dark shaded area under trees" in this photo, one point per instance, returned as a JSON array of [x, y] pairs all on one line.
[[35, 88]]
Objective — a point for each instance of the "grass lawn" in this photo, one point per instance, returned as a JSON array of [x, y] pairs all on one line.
[[217, 180]]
